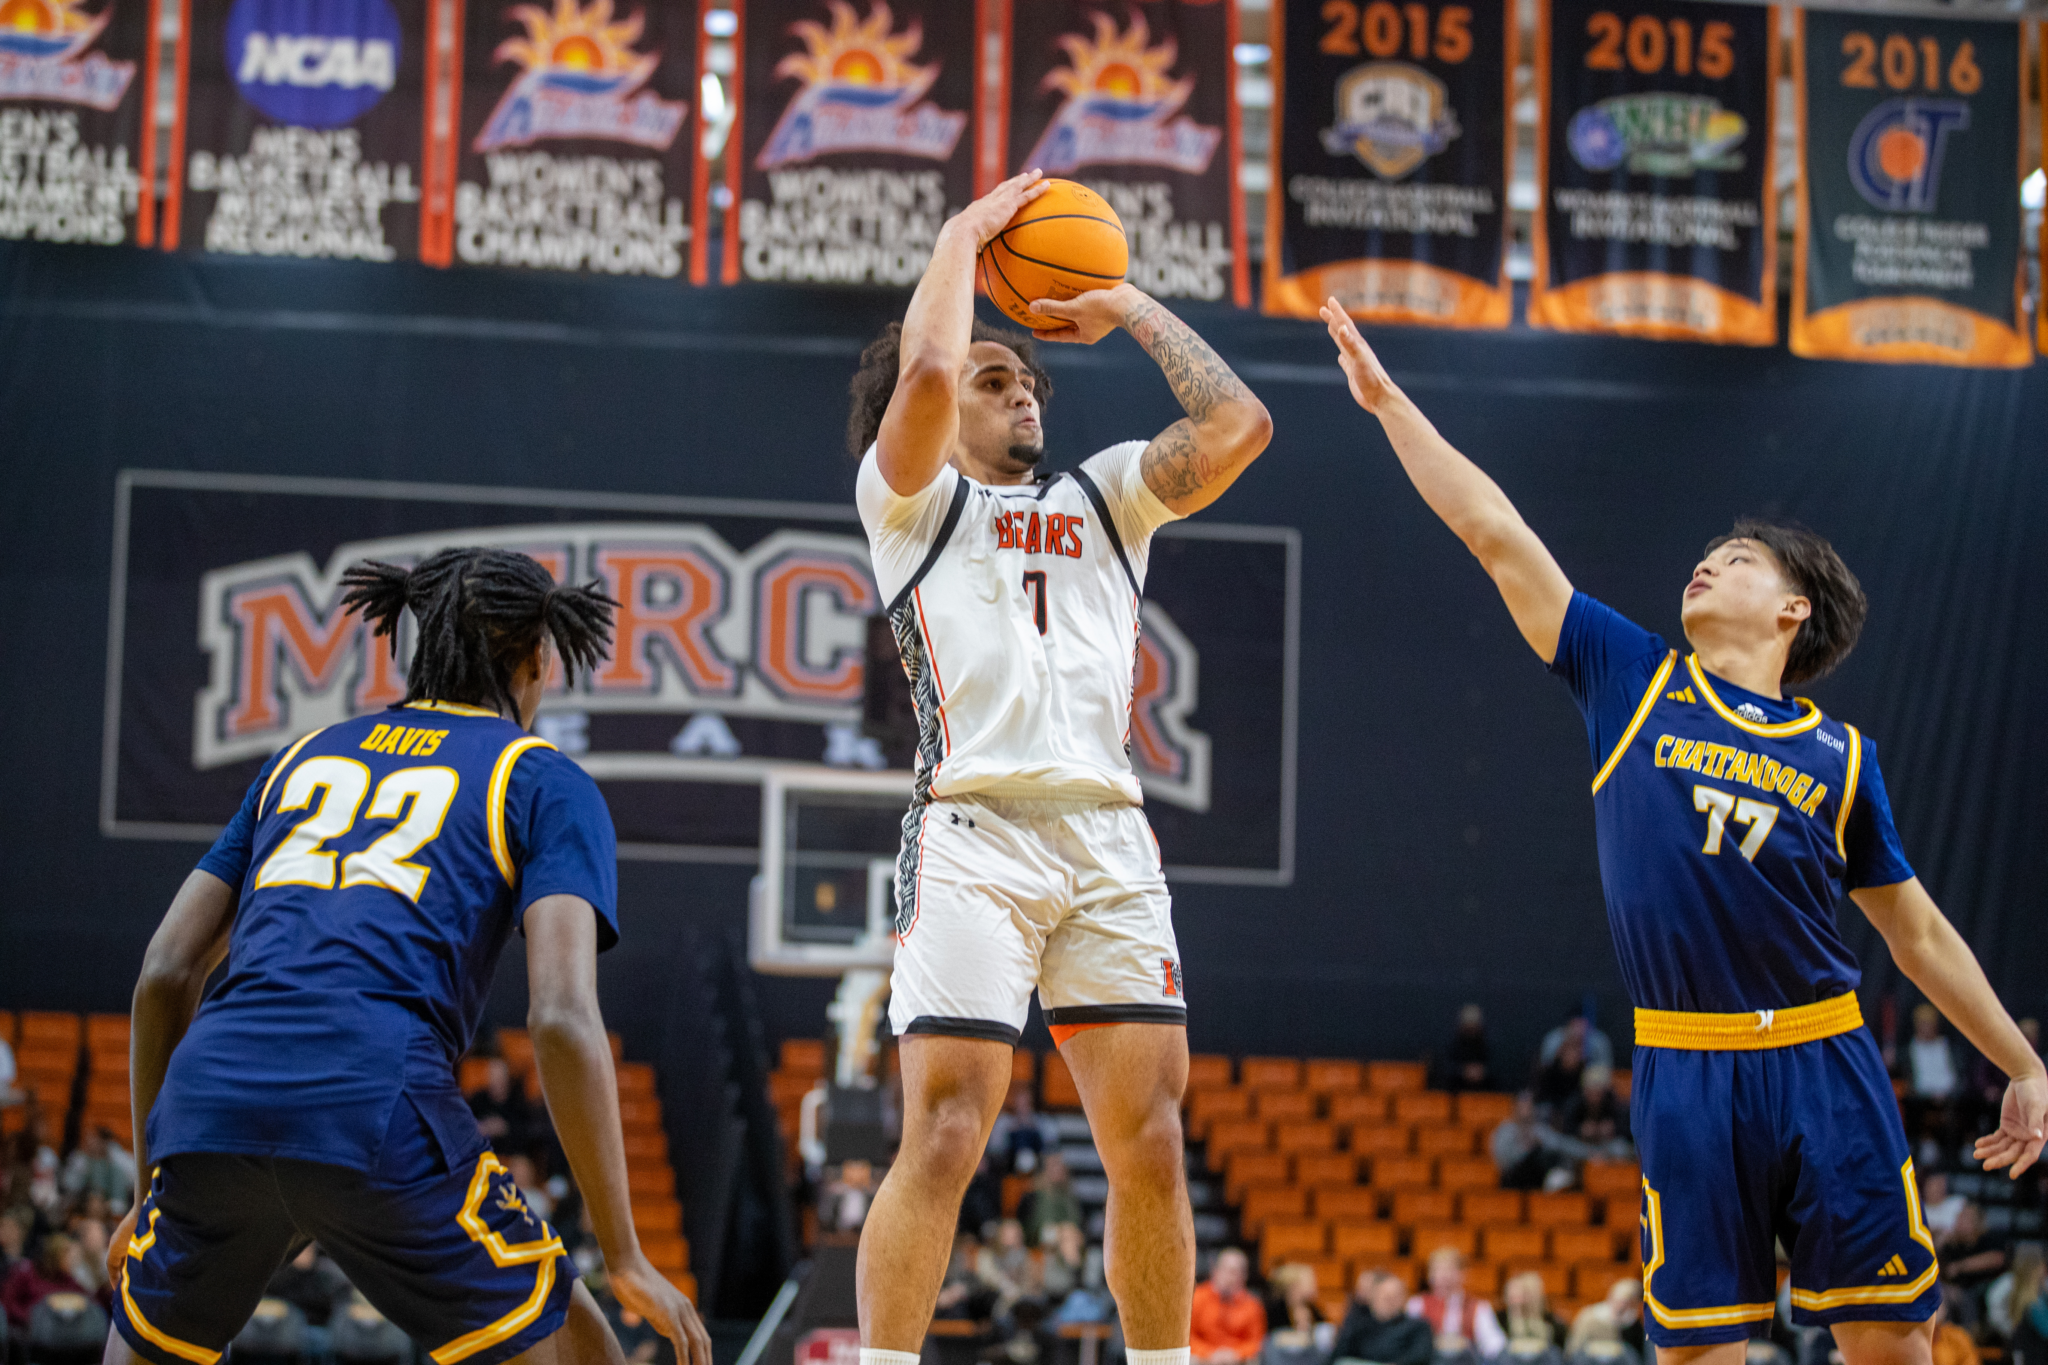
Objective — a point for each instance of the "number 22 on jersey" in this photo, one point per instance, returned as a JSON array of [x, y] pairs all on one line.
[[421, 796]]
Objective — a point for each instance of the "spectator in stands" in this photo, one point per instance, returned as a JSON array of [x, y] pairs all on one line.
[[982, 1206], [1229, 1323], [2011, 1292], [2030, 1331], [1072, 1263], [1022, 1136], [1525, 1315], [844, 1197], [1006, 1269], [525, 1173], [501, 1108], [312, 1282], [9, 1095], [14, 1229], [1934, 1080], [1952, 1344], [1594, 1046], [961, 1294], [1557, 1079], [1597, 1116], [55, 1269], [1525, 1148], [1970, 1259], [1377, 1327], [1049, 1203], [1468, 1062], [1938, 1205], [1291, 1312], [103, 1166], [1617, 1317], [1458, 1321], [90, 1235]]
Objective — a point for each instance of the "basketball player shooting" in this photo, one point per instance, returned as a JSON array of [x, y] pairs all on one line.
[[1731, 819], [1026, 859]]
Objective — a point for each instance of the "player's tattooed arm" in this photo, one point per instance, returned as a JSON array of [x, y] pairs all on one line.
[[1189, 464]]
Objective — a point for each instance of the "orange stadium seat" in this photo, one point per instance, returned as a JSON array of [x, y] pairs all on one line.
[[1624, 1082], [1056, 1084], [50, 1029], [1328, 1076], [648, 1144], [1445, 1139], [1329, 1273], [1023, 1066], [1555, 1210], [1333, 1304], [1515, 1241], [1230, 1135], [1284, 1105], [1482, 1277], [1490, 1206], [1325, 1168], [1358, 1106], [1346, 1201], [655, 1179], [635, 1078], [1557, 1278], [8, 1026], [1604, 1179], [1012, 1197], [1403, 1173], [1292, 1239], [106, 1032], [1426, 1239], [108, 1062], [1583, 1244], [1381, 1139], [1351, 1240], [1312, 1136], [1592, 1279], [515, 1045], [1206, 1106], [665, 1251], [1207, 1069], [1422, 1106], [1484, 1108], [1270, 1073], [1467, 1173], [110, 1094], [470, 1073], [1263, 1203], [1247, 1166], [1422, 1206], [1391, 1076], [803, 1056], [657, 1214], [639, 1113]]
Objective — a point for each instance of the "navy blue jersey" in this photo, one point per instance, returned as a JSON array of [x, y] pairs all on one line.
[[381, 865], [1730, 824]]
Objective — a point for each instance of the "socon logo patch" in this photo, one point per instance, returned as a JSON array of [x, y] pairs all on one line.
[[313, 63]]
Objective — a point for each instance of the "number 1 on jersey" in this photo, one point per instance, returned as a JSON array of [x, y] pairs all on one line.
[[1034, 584], [1722, 806]]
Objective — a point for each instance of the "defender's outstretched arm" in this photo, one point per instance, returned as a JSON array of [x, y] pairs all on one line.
[[1470, 503], [1934, 957], [923, 416], [1189, 464]]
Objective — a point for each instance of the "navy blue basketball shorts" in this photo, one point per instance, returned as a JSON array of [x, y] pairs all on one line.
[[451, 1255], [1743, 1151]]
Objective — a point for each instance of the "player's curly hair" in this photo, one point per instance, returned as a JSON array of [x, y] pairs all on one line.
[[875, 381], [481, 613], [1818, 574]]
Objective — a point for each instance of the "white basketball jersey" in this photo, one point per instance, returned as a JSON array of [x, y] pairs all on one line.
[[1016, 609]]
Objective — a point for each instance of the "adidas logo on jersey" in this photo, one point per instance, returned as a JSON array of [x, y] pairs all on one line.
[[1749, 710], [1683, 694], [1896, 1266]]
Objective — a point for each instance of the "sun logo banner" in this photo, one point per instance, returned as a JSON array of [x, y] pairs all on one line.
[[1140, 105], [77, 123], [1908, 241], [1658, 205], [851, 147], [576, 148], [1390, 167]]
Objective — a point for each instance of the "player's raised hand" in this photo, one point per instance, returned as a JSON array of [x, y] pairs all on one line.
[[2022, 1123], [1088, 317], [1370, 383], [643, 1289], [991, 213]]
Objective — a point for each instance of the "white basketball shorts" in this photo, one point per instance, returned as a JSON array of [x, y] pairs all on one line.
[[995, 896]]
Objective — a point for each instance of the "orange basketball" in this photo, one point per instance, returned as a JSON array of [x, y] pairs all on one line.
[[1065, 242]]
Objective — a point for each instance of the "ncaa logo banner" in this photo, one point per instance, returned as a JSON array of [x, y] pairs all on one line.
[[77, 126], [577, 147], [1139, 103], [1391, 140], [851, 148], [741, 648], [302, 129], [1909, 218], [1654, 164]]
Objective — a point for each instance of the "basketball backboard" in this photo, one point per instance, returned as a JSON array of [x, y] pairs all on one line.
[[824, 902]]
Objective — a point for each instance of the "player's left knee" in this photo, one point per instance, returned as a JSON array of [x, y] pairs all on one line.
[[1149, 1145], [1885, 1343]]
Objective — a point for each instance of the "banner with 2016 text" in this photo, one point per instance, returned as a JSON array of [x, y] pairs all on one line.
[[1909, 217], [1390, 151], [1658, 210], [852, 146], [303, 129], [1138, 102]]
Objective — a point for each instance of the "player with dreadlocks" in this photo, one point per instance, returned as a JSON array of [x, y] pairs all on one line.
[[360, 898]]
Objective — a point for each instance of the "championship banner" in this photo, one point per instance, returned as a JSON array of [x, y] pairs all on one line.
[[1391, 137], [576, 148], [1654, 167], [1139, 103], [301, 131], [77, 132], [1909, 218], [740, 650], [850, 148], [2041, 305]]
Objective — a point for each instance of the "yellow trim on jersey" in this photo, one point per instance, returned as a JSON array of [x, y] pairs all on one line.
[[1848, 791], [513, 1322], [1780, 730], [543, 1250], [1679, 1318], [1754, 1031], [184, 1350], [1642, 714], [501, 779], [282, 764], [454, 708], [138, 1246], [1815, 1301]]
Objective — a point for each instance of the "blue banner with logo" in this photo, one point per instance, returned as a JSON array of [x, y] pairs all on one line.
[[1390, 161], [77, 136], [577, 141], [1658, 213], [852, 145], [1140, 105], [1909, 217], [302, 130]]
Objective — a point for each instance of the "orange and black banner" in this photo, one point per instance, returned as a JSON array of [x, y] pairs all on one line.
[[1909, 215], [1657, 214], [1138, 102], [77, 132], [1390, 139], [576, 140], [2041, 304], [851, 146], [302, 131]]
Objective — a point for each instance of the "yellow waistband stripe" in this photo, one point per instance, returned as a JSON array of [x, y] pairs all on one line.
[[1751, 1032]]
